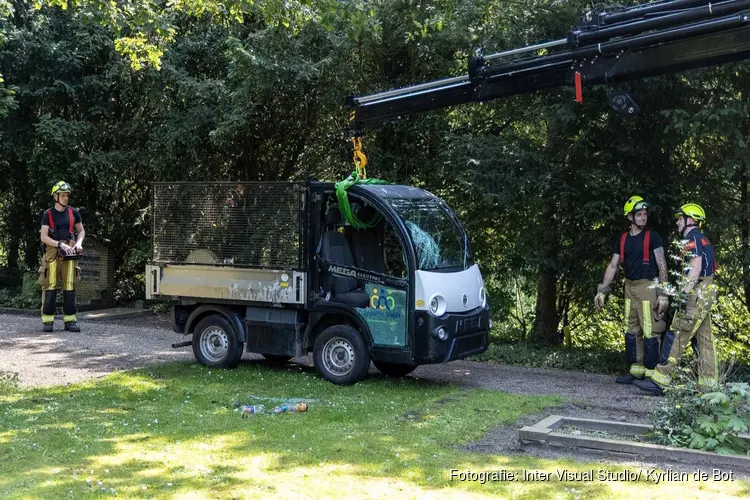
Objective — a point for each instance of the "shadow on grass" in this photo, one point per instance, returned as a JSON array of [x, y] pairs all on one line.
[[174, 430]]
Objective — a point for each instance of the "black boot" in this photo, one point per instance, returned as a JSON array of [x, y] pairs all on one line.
[[72, 327], [626, 379], [47, 327], [649, 385]]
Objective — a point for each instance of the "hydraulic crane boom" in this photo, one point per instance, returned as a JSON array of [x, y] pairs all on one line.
[[609, 47]]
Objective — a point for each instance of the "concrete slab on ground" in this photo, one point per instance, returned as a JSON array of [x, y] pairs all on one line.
[[544, 433]]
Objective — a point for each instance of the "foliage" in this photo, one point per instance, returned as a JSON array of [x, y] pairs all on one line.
[[26, 296], [246, 90], [9, 383], [589, 360], [711, 420]]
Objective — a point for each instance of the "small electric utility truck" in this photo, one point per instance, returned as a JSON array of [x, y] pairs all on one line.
[[370, 272]]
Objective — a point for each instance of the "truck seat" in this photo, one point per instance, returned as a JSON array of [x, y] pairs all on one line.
[[367, 247], [334, 247], [367, 251]]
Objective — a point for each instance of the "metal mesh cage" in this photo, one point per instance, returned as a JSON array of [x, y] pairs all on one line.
[[228, 224]]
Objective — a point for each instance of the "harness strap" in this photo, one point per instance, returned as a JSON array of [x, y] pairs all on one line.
[[707, 243], [646, 245], [71, 221]]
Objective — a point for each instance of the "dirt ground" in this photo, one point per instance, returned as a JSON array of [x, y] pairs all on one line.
[[47, 359]]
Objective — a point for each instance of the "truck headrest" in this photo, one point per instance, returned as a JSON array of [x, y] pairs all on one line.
[[333, 216], [366, 213]]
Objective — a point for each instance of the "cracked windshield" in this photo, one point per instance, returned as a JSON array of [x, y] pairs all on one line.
[[440, 244]]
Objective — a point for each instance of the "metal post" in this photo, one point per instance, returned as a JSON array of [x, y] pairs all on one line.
[[554, 43], [704, 12], [645, 9], [411, 89]]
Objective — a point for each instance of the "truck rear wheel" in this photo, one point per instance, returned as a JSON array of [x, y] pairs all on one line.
[[340, 355], [393, 369], [215, 343]]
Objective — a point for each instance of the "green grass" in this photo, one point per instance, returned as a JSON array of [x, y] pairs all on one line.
[[173, 432]]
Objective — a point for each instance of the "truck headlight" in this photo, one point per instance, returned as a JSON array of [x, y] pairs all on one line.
[[482, 297], [437, 305]]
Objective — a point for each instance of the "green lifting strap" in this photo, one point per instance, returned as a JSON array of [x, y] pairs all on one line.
[[343, 198]]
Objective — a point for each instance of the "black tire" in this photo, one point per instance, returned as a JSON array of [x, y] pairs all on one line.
[[340, 355], [276, 358], [215, 343], [393, 369]]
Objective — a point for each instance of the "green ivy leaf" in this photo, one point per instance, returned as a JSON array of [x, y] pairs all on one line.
[[736, 424], [716, 398], [724, 450], [739, 388], [707, 424], [698, 442]]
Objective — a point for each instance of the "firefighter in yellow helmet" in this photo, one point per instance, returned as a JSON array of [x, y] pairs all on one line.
[[62, 235], [641, 254], [696, 296]]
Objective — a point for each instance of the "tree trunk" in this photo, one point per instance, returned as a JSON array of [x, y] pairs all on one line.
[[13, 251], [544, 330], [545, 322], [745, 237]]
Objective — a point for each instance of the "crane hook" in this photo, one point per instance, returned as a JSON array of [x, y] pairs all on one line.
[[360, 160]]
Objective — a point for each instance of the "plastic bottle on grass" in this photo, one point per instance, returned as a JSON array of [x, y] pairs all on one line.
[[247, 410], [291, 408]]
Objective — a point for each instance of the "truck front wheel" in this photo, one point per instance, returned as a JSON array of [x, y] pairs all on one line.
[[340, 355], [215, 343]]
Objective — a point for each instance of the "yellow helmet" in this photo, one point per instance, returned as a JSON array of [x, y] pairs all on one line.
[[61, 187], [692, 210], [634, 204]]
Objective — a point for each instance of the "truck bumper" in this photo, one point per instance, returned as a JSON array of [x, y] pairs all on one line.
[[466, 334]]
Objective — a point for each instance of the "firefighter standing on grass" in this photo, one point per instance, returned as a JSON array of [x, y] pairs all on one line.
[[62, 237], [640, 252], [697, 294]]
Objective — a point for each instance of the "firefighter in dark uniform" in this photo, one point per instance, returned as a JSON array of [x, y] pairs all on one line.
[[640, 252], [62, 237], [696, 297]]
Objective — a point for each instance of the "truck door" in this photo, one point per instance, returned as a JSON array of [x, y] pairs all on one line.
[[365, 268]]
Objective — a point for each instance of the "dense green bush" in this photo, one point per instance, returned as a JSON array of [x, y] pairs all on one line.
[[691, 416], [26, 296], [576, 358]]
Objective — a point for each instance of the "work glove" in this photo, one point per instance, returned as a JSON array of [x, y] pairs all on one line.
[[662, 304], [601, 296], [661, 307], [599, 301]]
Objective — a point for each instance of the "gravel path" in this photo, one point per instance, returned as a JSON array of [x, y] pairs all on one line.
[[46, 359]]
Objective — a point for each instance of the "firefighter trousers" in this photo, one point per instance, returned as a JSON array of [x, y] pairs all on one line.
[[693, 321], [52, 270], [643, 330]]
